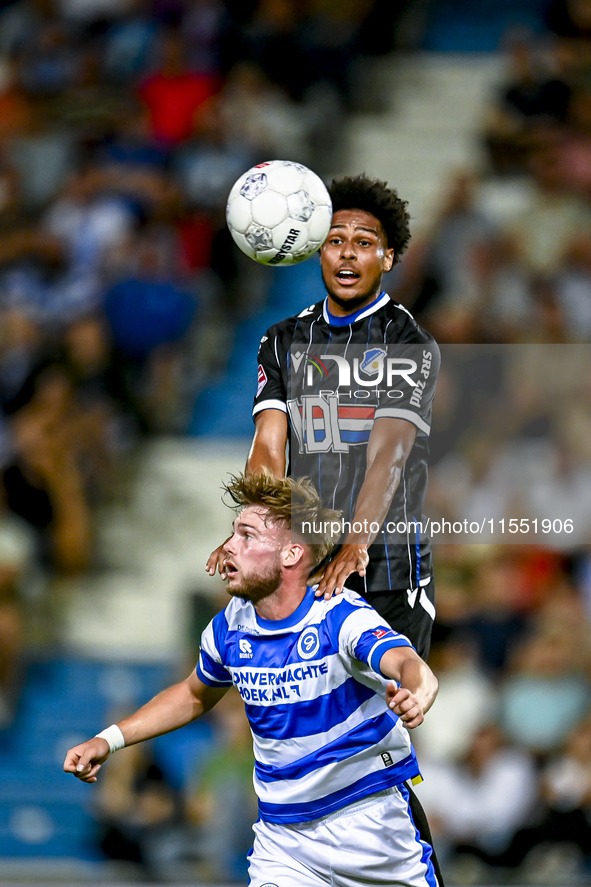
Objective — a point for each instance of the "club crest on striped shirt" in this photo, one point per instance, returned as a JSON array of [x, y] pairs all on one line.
[[309, 643]]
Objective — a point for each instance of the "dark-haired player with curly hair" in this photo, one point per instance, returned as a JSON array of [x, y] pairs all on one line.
[[367, 452], [364, 445]]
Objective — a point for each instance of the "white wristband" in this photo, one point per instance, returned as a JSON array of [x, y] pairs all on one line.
[[114, 737]]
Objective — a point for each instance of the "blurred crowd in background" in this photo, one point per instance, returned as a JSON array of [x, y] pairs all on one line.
[[123, 124], [526, 277]]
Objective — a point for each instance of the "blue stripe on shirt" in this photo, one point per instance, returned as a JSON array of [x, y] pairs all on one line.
[[354, 436], [372, 782], [345, 746], [310, 716]]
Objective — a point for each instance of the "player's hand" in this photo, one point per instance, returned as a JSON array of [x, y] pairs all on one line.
[[350, 559], [404, 704], [85, 760], [216, 559]]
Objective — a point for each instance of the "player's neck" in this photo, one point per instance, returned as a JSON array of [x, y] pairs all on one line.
[[283, 602]]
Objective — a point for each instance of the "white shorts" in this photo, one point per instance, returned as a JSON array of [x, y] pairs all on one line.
[[370, 842]]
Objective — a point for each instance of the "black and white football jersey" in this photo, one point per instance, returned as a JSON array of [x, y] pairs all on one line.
[[334, 377]]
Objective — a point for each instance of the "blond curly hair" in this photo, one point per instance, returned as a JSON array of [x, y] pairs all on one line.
[[292, 501]]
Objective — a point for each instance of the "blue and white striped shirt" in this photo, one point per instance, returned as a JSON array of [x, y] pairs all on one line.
[[315, 698]]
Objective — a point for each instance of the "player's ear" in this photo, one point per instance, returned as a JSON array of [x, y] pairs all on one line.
[[293, 554], [388, 260]]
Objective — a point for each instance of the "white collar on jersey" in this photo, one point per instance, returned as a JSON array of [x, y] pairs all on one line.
[[371, 309]]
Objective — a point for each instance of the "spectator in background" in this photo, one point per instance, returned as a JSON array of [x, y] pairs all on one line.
[[573, 289], [130, 147], [479, 800], [222, 803], [175, 95], [566, 786], [559, 821], [465, 689], [46, 63], [17, 553], [12, 215], [534, 97], [22, 348], [570, 20], [130, 43], [17, 114], [202, 28], [88, 356], [439, 274], [208, 164], [140, 815], [545, 690], [272, 35], [85, 13], [44, 481], [497, 620], [259, 118], [563, 490], [88, 218], [543, 232], [20, 20], [150, 310]]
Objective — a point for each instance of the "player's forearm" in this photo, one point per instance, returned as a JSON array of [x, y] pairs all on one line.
[[172, 708], [262, 456], [390, 443], [412, 673], [269, 443], [374, 500]]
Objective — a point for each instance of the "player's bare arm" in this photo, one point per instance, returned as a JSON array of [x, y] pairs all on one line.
[[172, 708], [389, 446], [268, 443], [267, 451], [416, 688]]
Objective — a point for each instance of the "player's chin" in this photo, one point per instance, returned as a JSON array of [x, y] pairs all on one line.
[[347, 293], [236, 590], [350, 299]]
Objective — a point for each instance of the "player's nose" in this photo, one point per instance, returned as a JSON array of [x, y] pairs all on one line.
[[228, 545]]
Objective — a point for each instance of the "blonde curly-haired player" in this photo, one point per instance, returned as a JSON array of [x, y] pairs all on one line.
[[330, 692]]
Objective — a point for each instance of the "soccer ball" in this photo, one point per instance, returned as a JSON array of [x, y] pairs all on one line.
[[279, 212]]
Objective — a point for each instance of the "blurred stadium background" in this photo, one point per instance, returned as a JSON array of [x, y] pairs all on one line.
[[128, 333]]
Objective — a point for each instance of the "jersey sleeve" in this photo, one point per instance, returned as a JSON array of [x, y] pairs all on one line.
[[210, 667], [366, 636], [413, 378], [271, 392]]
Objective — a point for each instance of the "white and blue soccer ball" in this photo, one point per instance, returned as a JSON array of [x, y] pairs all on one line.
[[279, 212]]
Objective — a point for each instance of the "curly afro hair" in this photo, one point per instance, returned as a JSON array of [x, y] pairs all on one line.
[[375, 197]]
